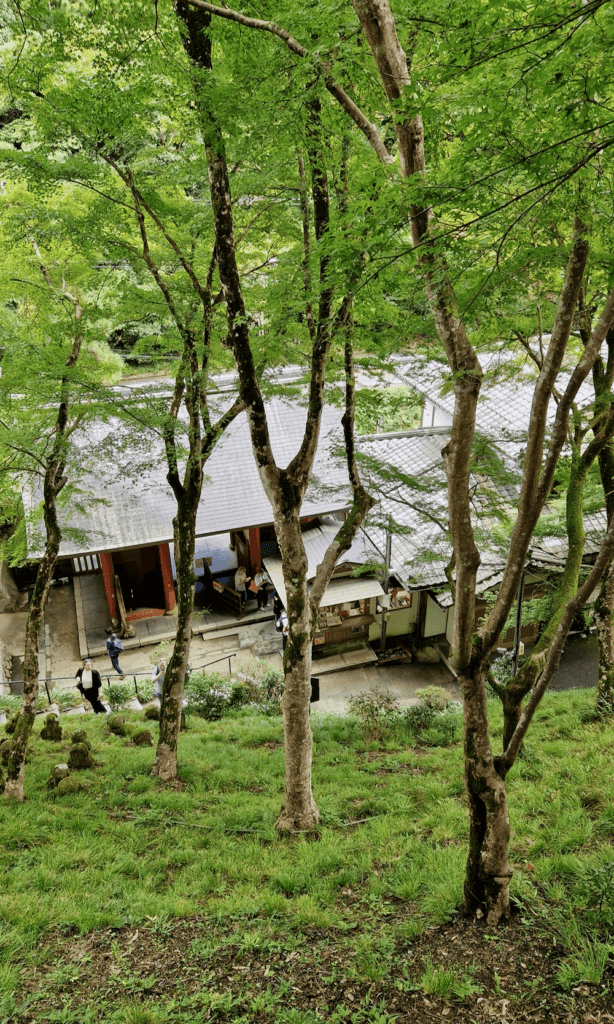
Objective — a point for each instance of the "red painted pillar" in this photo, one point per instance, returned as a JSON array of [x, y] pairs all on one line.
[[167, 577], [254, 549], [108, 576]]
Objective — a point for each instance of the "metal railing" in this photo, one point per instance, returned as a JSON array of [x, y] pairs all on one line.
[[131, 675]]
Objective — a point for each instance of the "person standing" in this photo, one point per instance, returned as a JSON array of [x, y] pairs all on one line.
[[158, 673], [114, 649], [90, 685], [241, 581], [261, 578]]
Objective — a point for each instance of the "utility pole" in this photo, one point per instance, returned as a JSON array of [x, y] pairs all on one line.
[[382, 642]]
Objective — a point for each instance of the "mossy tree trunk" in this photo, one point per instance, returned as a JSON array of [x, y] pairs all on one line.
[[486, 784], [488, 871], [599, 448], [604, 621], [285, 488], [603, 380], [190, 392], [53, 482]]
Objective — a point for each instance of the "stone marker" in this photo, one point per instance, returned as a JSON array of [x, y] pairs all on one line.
[[142, 738], [80, 736], [134, 705], [9, 728], [80, 756], [116, 725], [69, 785], [52, 729]]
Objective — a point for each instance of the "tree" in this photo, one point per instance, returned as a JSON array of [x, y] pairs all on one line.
[[35, 437], [285, 488], [488, 869]]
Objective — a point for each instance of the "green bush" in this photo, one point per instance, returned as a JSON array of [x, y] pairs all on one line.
[[377, 711], [117, 694], [212, 696]]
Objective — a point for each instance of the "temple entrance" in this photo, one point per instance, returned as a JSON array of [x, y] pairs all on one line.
[[140, 574]]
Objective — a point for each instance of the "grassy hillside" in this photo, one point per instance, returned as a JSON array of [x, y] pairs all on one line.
[[134, 903]]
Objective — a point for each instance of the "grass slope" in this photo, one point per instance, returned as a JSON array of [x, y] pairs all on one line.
[[133, 903]]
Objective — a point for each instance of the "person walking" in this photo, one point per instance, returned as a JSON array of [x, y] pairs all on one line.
[[114, 649], [90, 685], [282, 626]]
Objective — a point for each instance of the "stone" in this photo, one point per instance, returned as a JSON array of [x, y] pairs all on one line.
[[79, 710], [134, 705], [69, 785], [152, 714], [116, 725], [80, 736], [52, 729], [9, 727], [59, 772], [246, 641], [80, 756], [267, 645], [142, 738]]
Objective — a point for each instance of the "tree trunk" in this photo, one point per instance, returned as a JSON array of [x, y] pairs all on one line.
[[299, 811], [17, 756], [524, 680], [604, 620], [488, 870], [184, 532]]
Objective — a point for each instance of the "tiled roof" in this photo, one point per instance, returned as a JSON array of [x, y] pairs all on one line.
[[506, 395], [134, 507]]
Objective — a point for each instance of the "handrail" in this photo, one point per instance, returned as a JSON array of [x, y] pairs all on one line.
[[229, 656], [132, 675]]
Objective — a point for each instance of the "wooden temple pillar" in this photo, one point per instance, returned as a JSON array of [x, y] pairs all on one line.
[[167, 578]]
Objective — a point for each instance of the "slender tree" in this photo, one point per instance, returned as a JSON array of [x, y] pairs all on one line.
[[285, 487], [48, 449], [488, 868]]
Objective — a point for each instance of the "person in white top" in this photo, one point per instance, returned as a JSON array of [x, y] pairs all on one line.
[[261, 578], [90, 685]]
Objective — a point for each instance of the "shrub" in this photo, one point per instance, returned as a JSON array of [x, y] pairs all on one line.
[[211, 696], [435, 697], [376, 710], [118, 694], [435, 727]]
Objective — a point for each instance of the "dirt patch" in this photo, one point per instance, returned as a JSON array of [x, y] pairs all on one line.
[[513, 970]]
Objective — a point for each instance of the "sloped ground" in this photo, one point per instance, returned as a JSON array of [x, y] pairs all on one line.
[[134, 903]]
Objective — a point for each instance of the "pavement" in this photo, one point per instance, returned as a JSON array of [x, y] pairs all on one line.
[[232, 646]]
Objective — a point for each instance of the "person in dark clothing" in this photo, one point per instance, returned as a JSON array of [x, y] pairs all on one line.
[[114, 649], [90, 685]]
